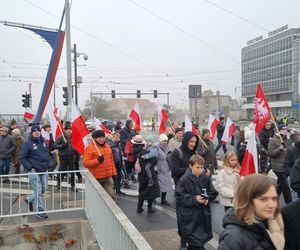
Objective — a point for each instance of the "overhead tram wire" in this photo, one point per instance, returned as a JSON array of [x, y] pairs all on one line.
[[186, 33]]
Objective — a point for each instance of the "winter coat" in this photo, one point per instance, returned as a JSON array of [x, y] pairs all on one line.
[[19, 140], [174, 144], [292, 155], [291, 218], [146, 192], [180, 162], [99, 170], [194, 219], [116, 153], [220, 131], [35, 154], [125, 135], [276, 154], [241, 236], [208, 153], [7, 146], [265, 136], [295, 177], [162, 167], [225, 184], [65, 149], [241, 150]]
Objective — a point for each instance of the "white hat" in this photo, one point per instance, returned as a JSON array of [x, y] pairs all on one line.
[[163, 137]]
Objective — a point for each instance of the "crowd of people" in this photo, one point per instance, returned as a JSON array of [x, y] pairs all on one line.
[[254, 218]]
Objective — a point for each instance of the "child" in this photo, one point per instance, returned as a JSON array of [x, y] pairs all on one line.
[[152, 152], [227, 179], [193, 193]]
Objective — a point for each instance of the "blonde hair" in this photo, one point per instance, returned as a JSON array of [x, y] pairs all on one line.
[[251, 187], [227, 157]]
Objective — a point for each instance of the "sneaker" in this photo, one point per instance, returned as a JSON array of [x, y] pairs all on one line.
[[120, 193], [150, 182], [165, 203], [139, 210], [42, 216], [30, 205]]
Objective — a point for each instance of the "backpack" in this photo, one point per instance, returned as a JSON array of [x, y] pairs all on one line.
[[169, 157]]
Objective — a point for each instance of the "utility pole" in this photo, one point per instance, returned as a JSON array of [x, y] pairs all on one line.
[[69, 60], [75, 73]]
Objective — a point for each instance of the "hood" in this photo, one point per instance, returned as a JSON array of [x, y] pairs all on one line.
[[185, 140]]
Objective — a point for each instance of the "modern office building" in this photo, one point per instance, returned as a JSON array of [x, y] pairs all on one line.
[[273, 62]]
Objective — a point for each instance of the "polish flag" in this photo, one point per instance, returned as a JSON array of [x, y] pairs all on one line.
[[100, 126], [188, 126], [79, 130], [136, 117], [213, 122], [261, 109], [228, 131], [56, 126], [28, 114], [162, 119], [249, 164]]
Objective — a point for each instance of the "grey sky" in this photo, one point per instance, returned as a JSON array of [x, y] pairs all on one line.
[[169, 56]]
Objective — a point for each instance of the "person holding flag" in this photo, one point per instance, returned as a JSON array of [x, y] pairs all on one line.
[[220, 131]]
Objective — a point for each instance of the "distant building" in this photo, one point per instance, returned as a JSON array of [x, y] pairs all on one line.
[[210, 103], [275, 63], [124, 106]]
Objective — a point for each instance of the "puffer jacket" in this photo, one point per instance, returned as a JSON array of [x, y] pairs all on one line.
[[240, 236], [276, 154], [7, 146], [99, 170]]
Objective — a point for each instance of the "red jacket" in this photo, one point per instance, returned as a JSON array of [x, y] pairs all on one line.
[[99, 170]]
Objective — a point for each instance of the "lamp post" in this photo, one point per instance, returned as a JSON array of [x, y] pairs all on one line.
[[85, 57]]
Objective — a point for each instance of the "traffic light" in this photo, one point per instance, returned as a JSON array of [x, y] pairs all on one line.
[[26, 100], [155, 93], [138, 94], [113, 94], [65, 95]]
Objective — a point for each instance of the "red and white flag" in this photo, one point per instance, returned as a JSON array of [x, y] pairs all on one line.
[[162, 119], [100, 126], [56, 126], [188, 126], [228, 131], [136, 117], [79, 130], [261, 109], [250, 164], [28, 114], [213, 122]]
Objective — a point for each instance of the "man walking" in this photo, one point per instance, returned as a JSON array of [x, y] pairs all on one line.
[[35, 158]]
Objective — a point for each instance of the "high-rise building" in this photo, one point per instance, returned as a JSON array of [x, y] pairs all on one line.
[[273, 62]]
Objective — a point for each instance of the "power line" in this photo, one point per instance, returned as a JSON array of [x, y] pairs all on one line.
[[186, 33]]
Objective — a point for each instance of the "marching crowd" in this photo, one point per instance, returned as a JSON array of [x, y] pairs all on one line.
[[254, 219]]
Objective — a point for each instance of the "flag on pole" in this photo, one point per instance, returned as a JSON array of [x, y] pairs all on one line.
[[162, 119], [261, 109], [250, 164], [100, 126], [136, 117], [212, 125], [228, 131], [188, 126], [56, 126], [28, 114], [79, 130]]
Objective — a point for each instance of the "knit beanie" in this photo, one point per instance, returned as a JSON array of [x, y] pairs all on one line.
[[150, 137], [162, 138]]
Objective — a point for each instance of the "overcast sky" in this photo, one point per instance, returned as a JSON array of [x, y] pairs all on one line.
[[158, 44]]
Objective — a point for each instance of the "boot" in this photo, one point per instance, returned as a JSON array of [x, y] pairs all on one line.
[[140, 206], [165, 202]]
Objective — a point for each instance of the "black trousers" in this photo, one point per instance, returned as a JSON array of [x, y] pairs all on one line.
[[117, 179], [141, 203], [283, 186], [66, 165], [221, 145]]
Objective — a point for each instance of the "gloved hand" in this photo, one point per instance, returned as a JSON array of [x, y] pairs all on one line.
[[101, 158]]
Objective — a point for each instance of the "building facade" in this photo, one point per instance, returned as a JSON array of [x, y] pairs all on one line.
[[273, 62]]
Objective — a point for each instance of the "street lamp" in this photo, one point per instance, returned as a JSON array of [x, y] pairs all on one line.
[[85, 57]]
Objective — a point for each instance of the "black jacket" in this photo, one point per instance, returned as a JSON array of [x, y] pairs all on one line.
[[240, 236], [292, 155], [125, 135], [291, 218], [194, 219], [295, 177], [65, 149], [220, 131], [265, 136], [180, 163]]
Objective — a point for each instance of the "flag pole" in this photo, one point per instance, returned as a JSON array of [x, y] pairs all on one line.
[[276, 127], [62, 133], [202, 141], [96, 147]]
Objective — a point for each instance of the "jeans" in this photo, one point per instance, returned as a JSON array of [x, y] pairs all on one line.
[[38, 184], [4, 166]]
